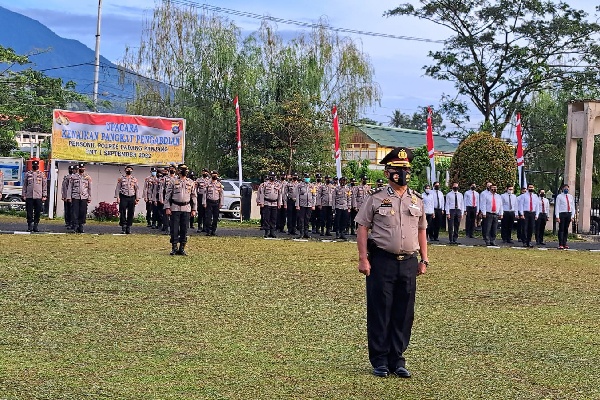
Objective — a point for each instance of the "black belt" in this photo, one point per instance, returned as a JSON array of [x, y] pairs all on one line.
[[371, 247], [270, 199], [212, 201], [179, 203], [124, 195]]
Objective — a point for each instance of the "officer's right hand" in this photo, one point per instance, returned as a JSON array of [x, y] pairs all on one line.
[[364, 267], [168, 211]]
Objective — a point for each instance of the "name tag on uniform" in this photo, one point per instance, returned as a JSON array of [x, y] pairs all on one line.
[[415, 206]]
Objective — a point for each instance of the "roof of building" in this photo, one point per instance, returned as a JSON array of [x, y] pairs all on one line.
[[393, 137]]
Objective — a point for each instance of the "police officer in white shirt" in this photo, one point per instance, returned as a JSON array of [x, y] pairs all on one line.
[[528, 212], [428, 206], [564, 212], [540, 227], [510, 207], [491, 209], [438, 210], [471, 198], [455, 208]]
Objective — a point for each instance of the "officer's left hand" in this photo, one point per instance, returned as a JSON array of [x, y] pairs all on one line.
[[89, 201], [193, 213], [43, 199], [422, 268], [136, 201]]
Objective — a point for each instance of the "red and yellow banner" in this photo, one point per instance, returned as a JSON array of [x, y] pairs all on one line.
[[116, 138]]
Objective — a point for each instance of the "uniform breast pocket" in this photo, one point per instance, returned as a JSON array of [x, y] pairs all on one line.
[[414, 214], [386, 216]]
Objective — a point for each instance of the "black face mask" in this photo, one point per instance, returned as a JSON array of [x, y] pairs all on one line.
[[214, 177], [205, 175], [172, 171], [542, 195], [128, 172], [400, 178], [35, 167], [319, 180], [271, 178], [473, 187], [455, 189], [436, 188], [364, 181], [295, 178], [183, 172], [352, 184], [81, 170], [530, 190], [328, 181], [493, 190]]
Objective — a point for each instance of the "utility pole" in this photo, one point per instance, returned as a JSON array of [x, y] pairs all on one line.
[[97, 58]]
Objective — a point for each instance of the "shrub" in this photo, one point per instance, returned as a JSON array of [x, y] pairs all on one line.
[[106, 211], [481, 157]]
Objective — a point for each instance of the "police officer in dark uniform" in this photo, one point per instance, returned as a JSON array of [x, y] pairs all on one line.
[[180, 204], [35, 192], [388, 258], [63, 194], [127, 194]]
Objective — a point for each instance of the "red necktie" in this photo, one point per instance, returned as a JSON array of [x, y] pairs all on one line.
[[568, 205], [493, 203], [530, 202], [473, 192], [543, 207]]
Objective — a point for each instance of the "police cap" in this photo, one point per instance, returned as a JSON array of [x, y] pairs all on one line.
[[271, 173], [35, 163], [81, 165], [399, 157], [153, 169], [317, 175]]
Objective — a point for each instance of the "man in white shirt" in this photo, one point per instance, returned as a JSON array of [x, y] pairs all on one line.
[[471, 198], [491, 209], [510, 207], [528, 211], [438, 211], [564, 212], [455, 208], [540, 227], [482, 195], [428, 207], [520, 221]]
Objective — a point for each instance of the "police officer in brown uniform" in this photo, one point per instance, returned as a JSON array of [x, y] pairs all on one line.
[[35, 191], [359, 193], [63, 194], [79, 193], [343, 202], [127, 194], [388, 258], [281, 213], [289, 204], [213, 203], [269, 199], [306, 198], [163, 192], [148, 194], [180, 204], [325, 202], [314, 215]]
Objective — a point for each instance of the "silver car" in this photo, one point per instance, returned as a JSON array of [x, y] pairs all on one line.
[[231, 198]]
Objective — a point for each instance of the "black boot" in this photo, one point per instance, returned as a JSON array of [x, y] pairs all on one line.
[[29, 227], [128, 230], [35, 227], [181, 250], [123, 229], [272, 234], [328, 233], [173, 249]]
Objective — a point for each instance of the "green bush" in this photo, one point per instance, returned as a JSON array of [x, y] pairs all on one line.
[[481, 157]]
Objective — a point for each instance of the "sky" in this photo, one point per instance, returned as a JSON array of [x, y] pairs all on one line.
[[398, 63]]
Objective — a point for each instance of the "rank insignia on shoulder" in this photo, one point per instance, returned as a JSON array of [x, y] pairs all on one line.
[[417, 194], [375, 190]]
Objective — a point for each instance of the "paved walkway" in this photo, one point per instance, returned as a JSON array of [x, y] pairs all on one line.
[[14, 226]]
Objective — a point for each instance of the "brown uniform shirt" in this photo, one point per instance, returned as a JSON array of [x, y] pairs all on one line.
[[150, 188], [127, 185], [80, 187], [35, 185], [64, 186], [359, 193], [394, 221], [181, 195], [201, 184], [214, 191], [325, 195], [269, 194], [342, 197], [306, 195]]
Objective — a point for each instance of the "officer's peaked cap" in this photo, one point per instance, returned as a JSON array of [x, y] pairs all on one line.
[[129, 166], [317, 175], [182, 166], [35, 163], [306, 175], [81, 165], [152, 169], [271, 173], [213, 172], [399, 157]]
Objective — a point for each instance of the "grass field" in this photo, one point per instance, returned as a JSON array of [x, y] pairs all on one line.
[[107, 317]]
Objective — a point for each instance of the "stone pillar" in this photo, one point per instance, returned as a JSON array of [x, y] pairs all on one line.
[[583, 123]]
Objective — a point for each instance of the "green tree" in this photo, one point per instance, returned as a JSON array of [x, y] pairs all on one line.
[[480, 158], [417, 121], [502, 51]]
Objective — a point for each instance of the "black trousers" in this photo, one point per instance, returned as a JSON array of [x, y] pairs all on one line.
[[454, 224], [429, 218], [33, 208], [201, 212], [314, 220], [166, 220], [490, 227], [126, 210], [79, 211], [304, 215], [436, 223], [149, 212], [269, 215], [391, 288], [353, 213], [564, 220], [506, 226], [157, 214], [180, 220], [292, 215], [341, 220], [528, 226], [325, 218], [211, 216], [471, 217], [68, 213], [520, 224], [540, 227], [281, 217]]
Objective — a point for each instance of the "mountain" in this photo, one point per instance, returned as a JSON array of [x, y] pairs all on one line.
[[58, 57]]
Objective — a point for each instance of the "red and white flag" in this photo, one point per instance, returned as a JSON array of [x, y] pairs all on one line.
[[430, 147], [338, 152], [239, 140], [520, 159]]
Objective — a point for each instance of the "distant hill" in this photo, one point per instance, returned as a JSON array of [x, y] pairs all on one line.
[[27, 36]]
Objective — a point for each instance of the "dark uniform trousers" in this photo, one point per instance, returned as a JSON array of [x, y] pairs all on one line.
[[490, 227], [292, 216], [564, 220], [341, 220], [391, 288], [528, 225], [353, 213], [269, 214], [79, 211], [520, 234], [157, 210], [68, 213], [325, 218], [201, 213], [211, 216], [304, 215], [34, 209], [540, 227], [470, 220], [436, 223], [314, 220], [166, 221], [149, 212], [126, 210], [454, 224], [506, 226], [429, 218], [180, 220], [281, 214]]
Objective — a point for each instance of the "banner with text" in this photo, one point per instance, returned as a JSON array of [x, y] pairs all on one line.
[[116, 138]]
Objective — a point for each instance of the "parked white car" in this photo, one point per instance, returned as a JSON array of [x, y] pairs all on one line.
[[231, 198], [12, 194]]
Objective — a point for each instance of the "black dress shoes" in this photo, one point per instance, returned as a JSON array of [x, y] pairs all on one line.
[[381, 371], [402, 372]]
